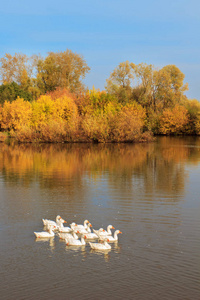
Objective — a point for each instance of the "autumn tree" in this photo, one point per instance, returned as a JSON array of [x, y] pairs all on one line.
[[193, 107], [61, 69], [121, 80], [169, 87], [153, 89], [17, 68], [20, 70], [143, 91], [174, 120]]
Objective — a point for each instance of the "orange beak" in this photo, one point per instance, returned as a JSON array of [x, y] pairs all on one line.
[[113, 227], [65, 221], [120, 232], [90, 225]]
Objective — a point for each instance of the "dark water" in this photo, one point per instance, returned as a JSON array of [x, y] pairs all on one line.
[[150, 192]]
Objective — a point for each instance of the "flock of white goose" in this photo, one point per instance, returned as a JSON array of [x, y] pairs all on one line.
[[77, 234]]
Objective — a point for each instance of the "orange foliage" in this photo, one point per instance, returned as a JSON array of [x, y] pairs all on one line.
[[173, 121], [55, 118], [128, 123], [95, 128]]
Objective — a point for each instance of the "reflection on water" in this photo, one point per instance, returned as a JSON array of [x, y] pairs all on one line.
[[54, 165], [50, 241], [103, 253], [148, 191]]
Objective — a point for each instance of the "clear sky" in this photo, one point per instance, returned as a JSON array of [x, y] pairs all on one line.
[[107, 32]]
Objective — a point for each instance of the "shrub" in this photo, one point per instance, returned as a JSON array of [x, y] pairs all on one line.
[[128, 123], [16, 114], [174, 121]]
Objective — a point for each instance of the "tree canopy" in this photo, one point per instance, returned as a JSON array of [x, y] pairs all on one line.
[[62, 69], [146, 85], [36, 75]]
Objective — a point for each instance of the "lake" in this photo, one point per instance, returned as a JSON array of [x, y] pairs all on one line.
[[151, 192]]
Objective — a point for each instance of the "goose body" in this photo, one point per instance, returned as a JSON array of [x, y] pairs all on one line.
[[111, 238], [80, 226], [56, 223], [104, 232], [100, 246], [74, 242], [82, 230], [108, 231], [45, 234], [63, 235], [98, 232], [61, 228], [91, 236]]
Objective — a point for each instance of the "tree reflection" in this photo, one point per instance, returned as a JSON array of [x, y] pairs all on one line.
[[159, 165]]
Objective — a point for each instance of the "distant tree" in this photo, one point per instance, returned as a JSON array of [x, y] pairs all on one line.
[[169, 87], [143, 92], [61, 69], [193, 107], [121, 80], [10, 92], [18, 68], [153, 89]]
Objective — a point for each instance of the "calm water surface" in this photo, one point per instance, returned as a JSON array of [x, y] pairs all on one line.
[[150, 192]]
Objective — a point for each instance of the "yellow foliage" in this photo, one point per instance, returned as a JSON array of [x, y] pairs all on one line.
[[46, 110], [16, 114], [174, 120], [128, 123], [96, 127], [56, 119], [42, 111]]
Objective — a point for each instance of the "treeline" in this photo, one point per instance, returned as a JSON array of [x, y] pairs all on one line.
[[44, 99]]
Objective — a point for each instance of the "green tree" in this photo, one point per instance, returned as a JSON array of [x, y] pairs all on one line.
[[10, 92]]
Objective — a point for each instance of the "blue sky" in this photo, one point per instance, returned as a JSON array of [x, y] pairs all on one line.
[[107, 33]]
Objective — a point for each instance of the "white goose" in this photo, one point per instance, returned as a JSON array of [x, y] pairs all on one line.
[[74, 242], [93, 235], [45, 234], [100, 246], [64, 235], [105, 232], [98, 232], [80, 226], [61, 228], [83, 230], [53, 223], [111, 238]]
